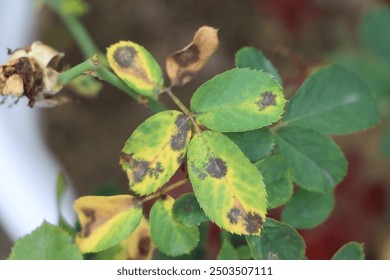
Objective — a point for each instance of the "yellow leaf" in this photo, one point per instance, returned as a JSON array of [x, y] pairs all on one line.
[[136, 67], [183, 65], [106, 220]]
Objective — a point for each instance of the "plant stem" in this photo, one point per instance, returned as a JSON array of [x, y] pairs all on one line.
[[165, 190], [76, 28], [178, 101], [95, 68], [75, 71], [183, 108]]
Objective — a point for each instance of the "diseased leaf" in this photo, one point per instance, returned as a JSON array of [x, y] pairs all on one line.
[[106, 220], [249, 57], [138, 246], [316, 162], [278, 241], [255, 144], [170, 236], [277, 178], [136, 67], [350, 251], [238, 100], [187, 211], [47, 242], [332, 101], [374, 32], [308, 209], [183, 65], [227, 251], [228, 187], [155, 151]]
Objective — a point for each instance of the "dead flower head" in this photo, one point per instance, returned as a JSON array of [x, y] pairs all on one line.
[[31, 72]]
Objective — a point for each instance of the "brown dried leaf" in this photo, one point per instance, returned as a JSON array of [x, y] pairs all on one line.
[[183, 65]]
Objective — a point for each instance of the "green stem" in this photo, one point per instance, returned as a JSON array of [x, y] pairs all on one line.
[[94, 66], [75, 71], [178, 102], [76, 28]]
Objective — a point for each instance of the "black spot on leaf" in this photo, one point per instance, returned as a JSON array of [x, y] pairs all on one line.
[[188, 56], [140, 168], [124, 56], [216, 168], [202, 175], [253, 222], [266, 99], [234, 215], [156, 171], [178, 140]]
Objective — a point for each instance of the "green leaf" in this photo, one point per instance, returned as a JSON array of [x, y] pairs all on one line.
[[374, 32], [308, 209], [371, 70], [332, 101], [277, 178], [255, 144], [106, 220], [227, 251], [136, 67], [249, 57], [170, 236], [155, 151], [244, 252], [278, 241], [316, 162], [47, 242], [238, 100], [350, 251], [228, 187], [187, 211]]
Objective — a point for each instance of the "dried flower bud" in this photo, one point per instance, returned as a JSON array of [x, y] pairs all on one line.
[[31, 72]]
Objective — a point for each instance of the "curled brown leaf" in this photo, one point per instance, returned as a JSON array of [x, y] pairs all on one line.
[[183, 65]]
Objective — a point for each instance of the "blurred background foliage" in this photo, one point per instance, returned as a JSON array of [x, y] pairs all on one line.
[[297, 35]]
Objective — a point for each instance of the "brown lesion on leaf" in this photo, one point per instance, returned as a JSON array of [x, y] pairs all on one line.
[[187, 56], [266, 99], [234, 215], [125, 56], [179, 140], [138, 169], [216, 167], [144, 246], [253, 223], [91, 217]]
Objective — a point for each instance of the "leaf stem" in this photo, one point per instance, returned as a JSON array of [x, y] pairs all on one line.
[[177, 101], [165, 190], [182, 107]]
